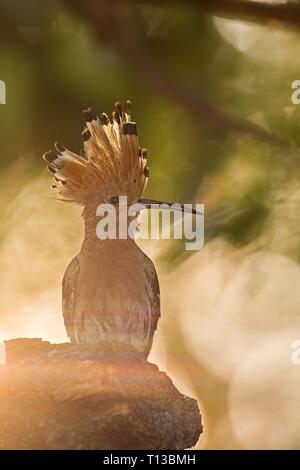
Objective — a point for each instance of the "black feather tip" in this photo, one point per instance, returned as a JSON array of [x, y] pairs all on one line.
[[49, 156], [104, 119], [86, 135], [89, 115], [129, 128], [59, 148], [128, 107], [144, 153]]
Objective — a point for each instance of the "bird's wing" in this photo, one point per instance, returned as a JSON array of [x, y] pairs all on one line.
[[68, 297], [154, 294]]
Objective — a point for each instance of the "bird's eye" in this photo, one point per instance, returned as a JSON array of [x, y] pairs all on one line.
[[114, 200]]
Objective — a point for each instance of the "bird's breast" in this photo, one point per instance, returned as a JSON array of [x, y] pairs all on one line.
[[113, 296]]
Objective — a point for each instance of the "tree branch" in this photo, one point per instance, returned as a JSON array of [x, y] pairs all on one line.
[[288, 13], [113, 27]]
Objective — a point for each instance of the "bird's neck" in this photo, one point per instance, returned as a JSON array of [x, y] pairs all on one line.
[[90, 223], [91, 233]]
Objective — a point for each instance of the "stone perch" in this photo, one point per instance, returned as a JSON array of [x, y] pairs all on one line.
[[65, 396]]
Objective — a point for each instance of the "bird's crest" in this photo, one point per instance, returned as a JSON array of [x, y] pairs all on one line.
[[113, 164]]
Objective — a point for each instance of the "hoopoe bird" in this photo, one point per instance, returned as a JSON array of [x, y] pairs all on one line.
[[110, 290]]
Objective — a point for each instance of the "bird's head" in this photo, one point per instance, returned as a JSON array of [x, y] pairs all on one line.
[[112, 165]]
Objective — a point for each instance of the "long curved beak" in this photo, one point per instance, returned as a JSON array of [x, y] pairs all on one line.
[[174, 206]]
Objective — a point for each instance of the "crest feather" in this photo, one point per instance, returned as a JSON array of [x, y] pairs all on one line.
[[113, 163]]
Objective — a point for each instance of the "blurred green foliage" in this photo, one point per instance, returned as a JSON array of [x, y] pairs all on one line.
[[53, 67]]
